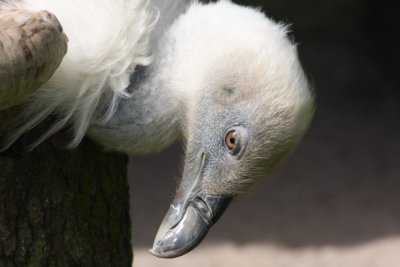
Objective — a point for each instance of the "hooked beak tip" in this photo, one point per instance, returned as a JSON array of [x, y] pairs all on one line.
[[165, 255], [154, 252], [176, 239]]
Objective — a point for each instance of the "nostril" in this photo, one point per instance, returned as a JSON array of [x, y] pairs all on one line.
[[201, 206]]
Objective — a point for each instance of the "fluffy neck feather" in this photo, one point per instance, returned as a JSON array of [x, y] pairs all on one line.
[[149, 119]]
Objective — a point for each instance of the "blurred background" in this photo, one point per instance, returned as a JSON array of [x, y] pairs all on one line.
[[336, 202]]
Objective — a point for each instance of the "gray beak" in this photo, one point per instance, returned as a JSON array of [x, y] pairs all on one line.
[[187, 223], [190, 215]]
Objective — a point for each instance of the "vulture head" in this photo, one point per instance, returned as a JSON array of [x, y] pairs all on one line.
[[223, 77], [245, 103]]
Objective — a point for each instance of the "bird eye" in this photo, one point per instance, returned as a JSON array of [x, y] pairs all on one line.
[[231, 140], [236, 139]]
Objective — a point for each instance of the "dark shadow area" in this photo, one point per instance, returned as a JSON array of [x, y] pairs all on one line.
[[342, 185]]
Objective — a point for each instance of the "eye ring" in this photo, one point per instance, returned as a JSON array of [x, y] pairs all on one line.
[[236, 140], [231, 140]]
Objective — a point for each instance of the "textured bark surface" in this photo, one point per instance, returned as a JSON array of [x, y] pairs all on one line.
[[63, 208]]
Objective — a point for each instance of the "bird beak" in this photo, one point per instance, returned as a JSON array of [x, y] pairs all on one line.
[[188, 219]]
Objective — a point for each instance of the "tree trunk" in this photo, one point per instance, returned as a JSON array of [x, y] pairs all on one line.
[[63, 208]]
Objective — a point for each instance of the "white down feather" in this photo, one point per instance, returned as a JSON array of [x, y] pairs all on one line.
[[107, 39]]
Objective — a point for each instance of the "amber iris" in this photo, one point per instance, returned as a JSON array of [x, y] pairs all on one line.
[[231, 139]]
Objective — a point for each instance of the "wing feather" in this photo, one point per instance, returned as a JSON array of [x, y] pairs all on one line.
[[107, 40]]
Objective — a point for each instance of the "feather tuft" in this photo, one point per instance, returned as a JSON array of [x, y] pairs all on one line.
[[107, 40]]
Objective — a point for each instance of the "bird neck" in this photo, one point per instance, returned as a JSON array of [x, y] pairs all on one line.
[[163, 97], [149, 119]]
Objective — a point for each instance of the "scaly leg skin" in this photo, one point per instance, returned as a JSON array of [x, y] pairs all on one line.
[[32, 46]]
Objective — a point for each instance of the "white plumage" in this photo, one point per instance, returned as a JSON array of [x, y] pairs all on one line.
[[140, 74], [107, 39]]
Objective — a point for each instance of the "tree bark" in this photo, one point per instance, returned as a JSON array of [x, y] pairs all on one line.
[[63, 208]]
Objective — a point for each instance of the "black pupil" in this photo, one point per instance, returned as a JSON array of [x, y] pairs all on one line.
[[232, 140]]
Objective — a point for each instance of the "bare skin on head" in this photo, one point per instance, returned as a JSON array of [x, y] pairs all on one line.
[[225, 78]]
